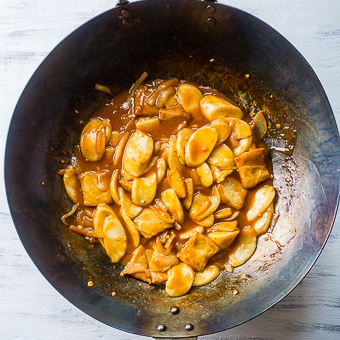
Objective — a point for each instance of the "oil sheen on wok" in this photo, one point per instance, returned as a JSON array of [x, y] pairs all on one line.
[[173, 181]]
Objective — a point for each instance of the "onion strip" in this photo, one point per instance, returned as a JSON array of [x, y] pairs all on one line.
[[102, 88], [70, 213], [137, 83], [85, 231]]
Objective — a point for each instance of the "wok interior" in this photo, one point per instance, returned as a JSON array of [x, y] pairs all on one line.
[[114, 50]]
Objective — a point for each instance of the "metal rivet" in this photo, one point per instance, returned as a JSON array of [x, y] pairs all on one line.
[[211, 9], [174, 310], [211, 21], [125, 13], [189, 327], [161, 328]]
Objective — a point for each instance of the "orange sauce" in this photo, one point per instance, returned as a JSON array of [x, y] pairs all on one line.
[[122, 120]]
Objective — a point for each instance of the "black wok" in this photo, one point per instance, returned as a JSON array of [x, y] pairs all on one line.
[[213, 45]]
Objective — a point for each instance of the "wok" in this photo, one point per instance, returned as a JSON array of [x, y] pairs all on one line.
[[213, 45]]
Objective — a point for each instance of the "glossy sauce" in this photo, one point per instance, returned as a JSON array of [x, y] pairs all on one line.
[[123, 121]]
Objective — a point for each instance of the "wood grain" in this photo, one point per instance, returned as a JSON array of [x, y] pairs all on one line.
[[30, 307]]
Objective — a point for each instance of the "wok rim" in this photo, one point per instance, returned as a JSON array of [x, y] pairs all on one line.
[[21, 231]]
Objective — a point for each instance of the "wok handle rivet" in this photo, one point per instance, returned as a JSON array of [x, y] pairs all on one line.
[[174, 310], [189, 327], [125, 13], [210, 9], [161, 328], [211, 21]]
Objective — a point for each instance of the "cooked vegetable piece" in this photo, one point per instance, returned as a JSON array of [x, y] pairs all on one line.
[[223, 213], [150, 224], [222, 157], [94, 138], [71, 183], [114, 186], [190, 97], [224, 226], [99, 215], [103, 88], [131, 228], [239, 128], [173, 203], [181, 140], [160, 169], [137, 154], [232, 193], [141, 108], [118, 154], [176, 182], [95, 186], [205, 175], [218, 174], [198, 250], [115, 241], [173, 160], [163, 85], [145, 276], [200, 145], [115, 135], [223, 233], [137, 83], [126, 204], [166, 97], [147, 124], [161, 260], [189, 190], [180, 279], [173, 114], [213, 107], [190, 231], [240, 137], [204, 205], [260, 125], [209, 274], [252, 167], [199, 207], [244, 247], [144, 189], [262, 224], [223, 239], [158, 278], [263, 197], [207, 221], [161, 210], [101, 212], [138, 263], [223, 129]]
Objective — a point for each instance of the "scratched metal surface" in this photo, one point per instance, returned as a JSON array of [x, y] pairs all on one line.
[[30, 307]]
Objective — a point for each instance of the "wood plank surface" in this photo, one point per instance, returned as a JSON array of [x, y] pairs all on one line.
[[30, 307]]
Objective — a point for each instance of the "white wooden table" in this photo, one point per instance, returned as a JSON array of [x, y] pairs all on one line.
[[29, 307]]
